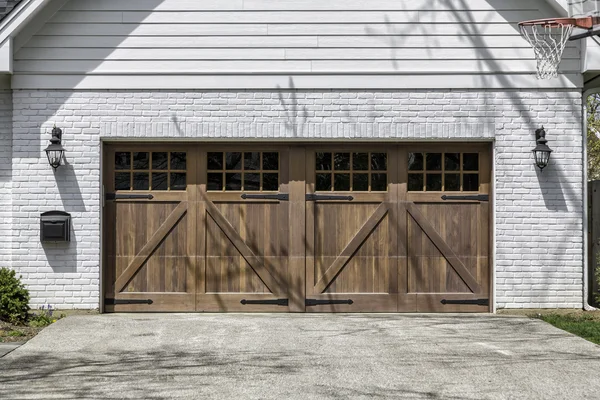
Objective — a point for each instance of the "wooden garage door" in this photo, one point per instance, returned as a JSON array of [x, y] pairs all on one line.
[[352, 258], [447, 227], [150, 228], [244, 229], [297, 228]]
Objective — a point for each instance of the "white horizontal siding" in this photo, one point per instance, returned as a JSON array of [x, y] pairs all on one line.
[[254, 37]]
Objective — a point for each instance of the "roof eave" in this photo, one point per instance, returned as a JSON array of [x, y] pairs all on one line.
[[11, 25]]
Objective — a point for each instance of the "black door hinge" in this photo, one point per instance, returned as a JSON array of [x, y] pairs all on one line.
[[280, 196], [476, 197], [474, 302], [112, 302], [275, 302], [315, 302], [315, 197], [119, 196]]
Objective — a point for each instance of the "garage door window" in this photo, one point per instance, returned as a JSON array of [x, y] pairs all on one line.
[[449, 172], [351, 172], [158, 171], [243, 171]]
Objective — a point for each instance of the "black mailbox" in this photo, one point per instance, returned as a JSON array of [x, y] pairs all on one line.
[[55, 226]]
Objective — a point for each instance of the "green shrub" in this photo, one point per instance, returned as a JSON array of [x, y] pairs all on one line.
[[14, 298]]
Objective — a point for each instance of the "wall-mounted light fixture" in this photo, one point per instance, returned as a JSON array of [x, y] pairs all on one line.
[[541, 153], [55, 150]]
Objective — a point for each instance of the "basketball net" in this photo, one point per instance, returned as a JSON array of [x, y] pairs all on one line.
[[548, 42]]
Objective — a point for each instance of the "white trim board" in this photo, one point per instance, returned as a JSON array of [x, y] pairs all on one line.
[[299, 81]]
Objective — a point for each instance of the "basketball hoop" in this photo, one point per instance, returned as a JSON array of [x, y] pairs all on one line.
[[549, 37]]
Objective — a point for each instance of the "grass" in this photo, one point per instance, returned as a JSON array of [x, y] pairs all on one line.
[[584, 325]]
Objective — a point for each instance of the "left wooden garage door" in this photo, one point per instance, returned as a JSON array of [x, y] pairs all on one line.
[[184, 232], [149, 237]]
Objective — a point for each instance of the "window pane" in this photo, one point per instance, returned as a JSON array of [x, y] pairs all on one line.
[[323, 182], [434, 161], [178, 161], [452, 162], [452, 183], [378, 182], [123, 160], [215, 181], [141, 161], [341, 182], [178, 181], [360, 161], [159, 160], [122, 181], [141, 181], [415, 182], [341, 161], [271, 182], [470, 161], [251, 181], [215, 161], [159, 181], [379, 161], [233, 181], [434, 182], [471, 182], [252, 161], [360, 182], [323, 162], [415, 161], [233, 160], [271, 161]]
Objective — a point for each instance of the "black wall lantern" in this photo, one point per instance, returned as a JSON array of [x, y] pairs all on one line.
[[541, 153], [55, 150]]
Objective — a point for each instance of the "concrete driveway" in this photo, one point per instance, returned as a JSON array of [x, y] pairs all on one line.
[[301, 357]]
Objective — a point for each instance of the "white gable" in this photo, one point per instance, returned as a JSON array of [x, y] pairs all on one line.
[[261, 43]]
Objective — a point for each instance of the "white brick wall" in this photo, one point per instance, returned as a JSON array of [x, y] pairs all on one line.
[[5, 175], [538, 215]]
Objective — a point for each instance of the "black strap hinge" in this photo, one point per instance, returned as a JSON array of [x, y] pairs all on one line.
[[476, 197], [315, 302], [119, 196], [473, 302], [112, 302], [275, 302], [280, 196], [315, 197]]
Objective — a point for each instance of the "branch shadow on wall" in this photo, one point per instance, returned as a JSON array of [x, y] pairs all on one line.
[[559, 194], [63, 257], [296, 115]]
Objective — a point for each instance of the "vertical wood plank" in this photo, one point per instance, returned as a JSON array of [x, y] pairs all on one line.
[[195, 272], [310, 222], [297, 233], [402, 219]]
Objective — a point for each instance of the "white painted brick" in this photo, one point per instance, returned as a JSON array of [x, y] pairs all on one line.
[[538, 215]]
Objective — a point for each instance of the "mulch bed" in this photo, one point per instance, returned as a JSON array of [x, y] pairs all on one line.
[[16, 333]]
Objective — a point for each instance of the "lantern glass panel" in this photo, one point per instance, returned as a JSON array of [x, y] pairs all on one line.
[[542, 158], [54, 157]]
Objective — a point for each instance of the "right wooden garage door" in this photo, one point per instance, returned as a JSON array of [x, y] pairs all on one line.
[[447, 227]]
